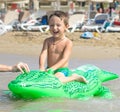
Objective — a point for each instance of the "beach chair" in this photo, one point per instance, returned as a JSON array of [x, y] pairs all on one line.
[[29, 20], [25, 25], [113, 27], [75, 22], [96, 23], [41, 26], [4, 28]]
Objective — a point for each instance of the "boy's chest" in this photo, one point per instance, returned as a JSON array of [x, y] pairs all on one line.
[[57, 49]]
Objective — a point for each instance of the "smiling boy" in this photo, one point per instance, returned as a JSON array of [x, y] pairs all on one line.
[[57, 49]]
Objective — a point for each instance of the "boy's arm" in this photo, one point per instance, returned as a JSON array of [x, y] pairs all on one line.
[[43, 55]]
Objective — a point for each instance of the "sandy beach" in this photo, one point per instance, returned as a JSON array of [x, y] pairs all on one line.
[[107, 45]]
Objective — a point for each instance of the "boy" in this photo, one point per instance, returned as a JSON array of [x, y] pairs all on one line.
[[57, 49]]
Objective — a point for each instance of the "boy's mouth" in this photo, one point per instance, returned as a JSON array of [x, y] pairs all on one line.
[[55, 32]]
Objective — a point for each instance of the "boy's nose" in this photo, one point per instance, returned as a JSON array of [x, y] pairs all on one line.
[[55, 27]]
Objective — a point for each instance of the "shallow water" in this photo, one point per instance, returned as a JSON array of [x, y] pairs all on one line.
[[8, 104]]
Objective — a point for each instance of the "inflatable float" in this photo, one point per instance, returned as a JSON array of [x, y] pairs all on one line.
[[37, 84]]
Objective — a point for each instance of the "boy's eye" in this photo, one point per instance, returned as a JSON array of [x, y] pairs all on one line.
[[51, 25], [58, 25]]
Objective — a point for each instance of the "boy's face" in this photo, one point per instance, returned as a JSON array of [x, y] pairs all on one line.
[[57, 27]]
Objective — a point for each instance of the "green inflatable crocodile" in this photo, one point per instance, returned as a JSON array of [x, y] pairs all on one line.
[[36, 84]]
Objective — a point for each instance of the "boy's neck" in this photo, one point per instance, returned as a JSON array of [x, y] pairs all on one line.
[[57, 40]]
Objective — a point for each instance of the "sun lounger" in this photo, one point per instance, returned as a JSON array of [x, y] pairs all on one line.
[[41, 28], [75, 22], [5, 28], [113, 27], [96, 23], [24, 26]]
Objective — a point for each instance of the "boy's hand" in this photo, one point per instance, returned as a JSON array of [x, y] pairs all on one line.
[[50, 70], [42, 69]]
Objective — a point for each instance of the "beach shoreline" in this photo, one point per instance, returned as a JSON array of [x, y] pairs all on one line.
[[30, 43]]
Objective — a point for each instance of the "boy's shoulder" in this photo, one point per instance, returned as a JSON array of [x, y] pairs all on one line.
[[68, 40], [48, 38]]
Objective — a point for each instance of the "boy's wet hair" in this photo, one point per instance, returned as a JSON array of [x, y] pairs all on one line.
[[62, 15]]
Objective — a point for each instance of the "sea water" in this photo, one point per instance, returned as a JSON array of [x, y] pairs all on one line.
[[8, 104]]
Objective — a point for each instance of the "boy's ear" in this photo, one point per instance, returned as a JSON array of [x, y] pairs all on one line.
[[67, 26]]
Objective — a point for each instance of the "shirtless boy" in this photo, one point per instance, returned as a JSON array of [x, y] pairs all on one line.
[[57, 49]]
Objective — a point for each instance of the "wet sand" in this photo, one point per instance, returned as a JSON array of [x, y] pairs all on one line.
[[29, 43]]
